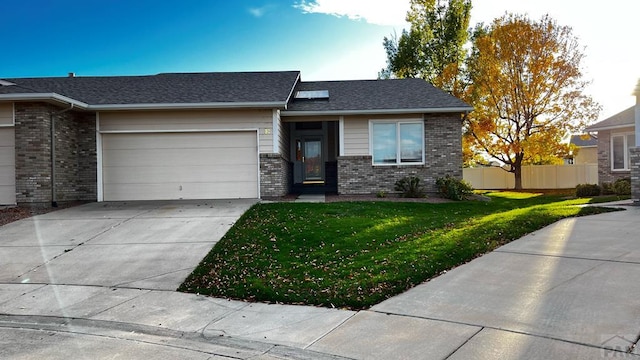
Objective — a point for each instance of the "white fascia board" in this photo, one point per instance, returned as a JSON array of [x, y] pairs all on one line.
[[162, 106], [184, 106], [44, 97], [378, 112], [614, 127], [293, 88]]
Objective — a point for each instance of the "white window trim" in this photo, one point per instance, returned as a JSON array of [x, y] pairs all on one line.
[[625, 136], [397, 122]]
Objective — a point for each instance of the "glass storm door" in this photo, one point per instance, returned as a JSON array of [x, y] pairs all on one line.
[[312, 160]]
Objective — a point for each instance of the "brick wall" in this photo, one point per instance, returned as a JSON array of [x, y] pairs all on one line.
[[635, 174], [75, 154], [275, 175], [76, 164], [33, 153], [604, 160], [443, 156]]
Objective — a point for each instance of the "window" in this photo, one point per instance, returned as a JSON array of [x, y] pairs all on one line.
[[397, 142], [620, 144], [312, 94]]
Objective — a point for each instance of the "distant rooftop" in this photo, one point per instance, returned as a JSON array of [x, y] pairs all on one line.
[[584, 140], [624, 118]]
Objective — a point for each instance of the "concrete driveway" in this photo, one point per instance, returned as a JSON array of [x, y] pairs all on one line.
[[141, 245]]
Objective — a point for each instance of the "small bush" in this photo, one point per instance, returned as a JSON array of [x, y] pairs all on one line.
[[454, 189], [410, 187], [607, 189], [381, 194], [587, 190], [622, 186]]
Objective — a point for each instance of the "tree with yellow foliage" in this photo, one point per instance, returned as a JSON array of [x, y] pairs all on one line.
[[527, 91]]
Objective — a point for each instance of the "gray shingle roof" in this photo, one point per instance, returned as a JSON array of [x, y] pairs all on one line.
[[172, 88], [585, 140], [269, 89], [621, 119], [364, 95]]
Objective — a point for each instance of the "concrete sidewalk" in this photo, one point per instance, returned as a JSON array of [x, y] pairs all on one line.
[[567, 291]]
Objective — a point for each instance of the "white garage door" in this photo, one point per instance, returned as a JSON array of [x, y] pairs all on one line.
[[167, 166], [7, 166]]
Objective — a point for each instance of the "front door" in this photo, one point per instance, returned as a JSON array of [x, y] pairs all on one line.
[[309, 162], [313, 166]]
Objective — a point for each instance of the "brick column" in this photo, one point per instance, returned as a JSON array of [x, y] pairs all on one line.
[[635, 174], [275, 175]]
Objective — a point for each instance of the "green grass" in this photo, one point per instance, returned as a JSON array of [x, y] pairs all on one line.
[[356, 254]]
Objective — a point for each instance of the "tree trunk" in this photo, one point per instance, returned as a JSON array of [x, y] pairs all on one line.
[[517, 171], [518, 177]]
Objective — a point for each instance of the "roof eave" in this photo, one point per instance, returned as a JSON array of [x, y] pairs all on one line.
[[612, 127], [186, 106], [463, 109], [293, 88], [161, 106], [43, 97]]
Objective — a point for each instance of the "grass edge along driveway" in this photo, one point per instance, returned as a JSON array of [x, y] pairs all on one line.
[[357, 254]]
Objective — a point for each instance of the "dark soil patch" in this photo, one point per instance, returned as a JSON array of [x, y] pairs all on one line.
[[15, 213]]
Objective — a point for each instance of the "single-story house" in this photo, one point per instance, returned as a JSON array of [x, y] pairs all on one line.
[[587, 149], [220, 135], [616, 136]]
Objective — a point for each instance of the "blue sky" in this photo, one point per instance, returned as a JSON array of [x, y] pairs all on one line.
[[325, 39], [119, 37]]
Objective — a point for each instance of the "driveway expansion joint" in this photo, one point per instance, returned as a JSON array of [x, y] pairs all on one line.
[[481, 326], [464, 343], [568, 257]]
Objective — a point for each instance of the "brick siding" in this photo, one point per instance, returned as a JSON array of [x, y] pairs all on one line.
[[443, 156], [275, 175], [635, 174], [75, 154]]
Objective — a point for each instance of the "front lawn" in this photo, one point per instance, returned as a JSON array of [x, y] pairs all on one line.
[[356, 254]]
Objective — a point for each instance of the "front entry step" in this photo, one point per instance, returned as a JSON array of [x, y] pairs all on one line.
[[311, 198]]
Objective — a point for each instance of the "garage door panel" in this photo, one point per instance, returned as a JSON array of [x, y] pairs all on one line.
[[7, 166], [223, 140], [7, 137], [229, 190], [7, 176], [191, 157], [208, 165], [7, 156], [180, 174]]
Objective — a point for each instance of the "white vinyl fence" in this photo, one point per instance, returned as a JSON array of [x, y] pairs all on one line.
[[533, 176]]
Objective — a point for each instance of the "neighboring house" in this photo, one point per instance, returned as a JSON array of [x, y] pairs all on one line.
[[220, 135], [587, 146], [616, 135]]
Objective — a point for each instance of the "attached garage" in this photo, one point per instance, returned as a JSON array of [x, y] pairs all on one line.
[[180, 165]]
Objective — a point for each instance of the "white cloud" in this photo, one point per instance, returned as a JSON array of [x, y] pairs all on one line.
[[259, 11], [379, 12]]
